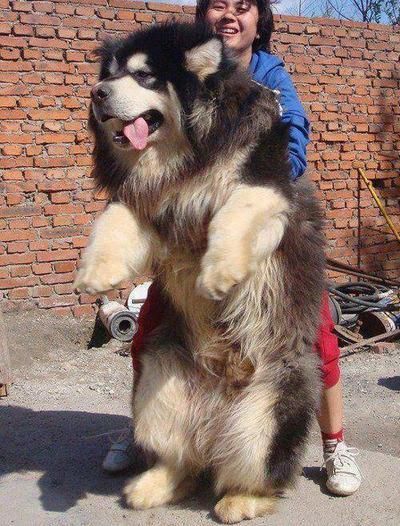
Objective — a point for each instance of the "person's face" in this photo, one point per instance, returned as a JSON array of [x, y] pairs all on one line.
[[236, 21]]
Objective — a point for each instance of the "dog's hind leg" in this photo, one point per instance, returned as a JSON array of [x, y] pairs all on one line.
[[239, 455], [162, 484], [294, 411], [162, 426]]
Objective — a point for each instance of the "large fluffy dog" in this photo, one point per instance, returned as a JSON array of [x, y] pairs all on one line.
[[195, 158]]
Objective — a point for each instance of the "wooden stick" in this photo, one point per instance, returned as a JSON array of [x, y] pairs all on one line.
[[372, 279], [356, 271], [364, 343], [379, 203], [5, 370]]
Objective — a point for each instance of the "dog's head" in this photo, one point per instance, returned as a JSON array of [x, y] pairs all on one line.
[[150, 81]]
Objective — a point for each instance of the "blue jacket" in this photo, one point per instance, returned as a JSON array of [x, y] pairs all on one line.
[[269, 70]]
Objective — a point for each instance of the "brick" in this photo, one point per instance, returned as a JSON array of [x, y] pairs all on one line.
[[51, 138], [64, 32], [43, 7], [64, 288], [42, 291], [24, 211], [80, 242], [61, 311], [60, 198], [84, 11], [21, 6], [17, 247], [87, 298], [17, 294], [12, 149], [87, 34], [50, 43], [62, 221], [16, 235], [83, 310], [116, 25], [51, 279], [40, 244], [57, 255], [143, 17], [56, 301], [189, 9], [166, 8], [21, 271], [19, 223], [5, 29], [22, 30], [127, 4], [42, 115], [125, 15], [56, 186], [9, 54], [334, 137], [77, 23], [41, 268], [16, 259], [65, 266], [45, 32], [12, 283], [39, 19]]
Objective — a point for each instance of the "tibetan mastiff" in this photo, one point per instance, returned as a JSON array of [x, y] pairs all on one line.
[[195, 159]]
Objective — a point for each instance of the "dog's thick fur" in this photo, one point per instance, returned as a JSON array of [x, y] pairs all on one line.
[[229, 381]]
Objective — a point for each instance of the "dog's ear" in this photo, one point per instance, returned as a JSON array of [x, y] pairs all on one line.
[[106, 53], [204, 60]]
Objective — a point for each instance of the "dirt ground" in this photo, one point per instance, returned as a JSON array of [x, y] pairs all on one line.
[[70, 398]]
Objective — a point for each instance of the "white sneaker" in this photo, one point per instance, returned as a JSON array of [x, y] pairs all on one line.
[[344, 476], [121, 454]]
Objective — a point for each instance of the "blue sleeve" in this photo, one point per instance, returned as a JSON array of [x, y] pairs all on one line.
[[294, 114]]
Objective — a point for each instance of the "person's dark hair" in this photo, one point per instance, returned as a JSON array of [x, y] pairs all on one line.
[[265, 21]]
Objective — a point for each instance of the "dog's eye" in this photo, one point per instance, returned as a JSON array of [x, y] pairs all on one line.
[[143, 75]]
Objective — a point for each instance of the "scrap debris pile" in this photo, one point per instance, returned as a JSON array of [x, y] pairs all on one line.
[[364, 311]]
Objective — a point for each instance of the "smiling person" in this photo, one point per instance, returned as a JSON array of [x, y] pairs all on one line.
[[246, 27]]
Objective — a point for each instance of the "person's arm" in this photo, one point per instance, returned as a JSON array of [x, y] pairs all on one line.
[[294, 114]]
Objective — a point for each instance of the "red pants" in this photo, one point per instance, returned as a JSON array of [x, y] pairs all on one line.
[[326, 345]]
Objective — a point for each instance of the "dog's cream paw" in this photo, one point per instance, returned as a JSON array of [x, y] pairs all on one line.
[[156, 487], [100, 276], [218, 276], [235, 508]]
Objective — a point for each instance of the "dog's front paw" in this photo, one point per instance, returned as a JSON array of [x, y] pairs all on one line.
[[156, 487], [142, 493], [219, 275], [236, 508], [100, 276]]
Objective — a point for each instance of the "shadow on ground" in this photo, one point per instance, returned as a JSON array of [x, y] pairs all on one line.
[[63, 446], [392, 383], [318, 476]]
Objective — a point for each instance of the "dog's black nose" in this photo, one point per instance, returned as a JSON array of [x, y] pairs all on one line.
[[100, 93]]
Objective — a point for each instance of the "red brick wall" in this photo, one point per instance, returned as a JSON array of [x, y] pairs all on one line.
[[347, 75]]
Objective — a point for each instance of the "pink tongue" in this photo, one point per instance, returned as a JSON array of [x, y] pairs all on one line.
[[137, 132]]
